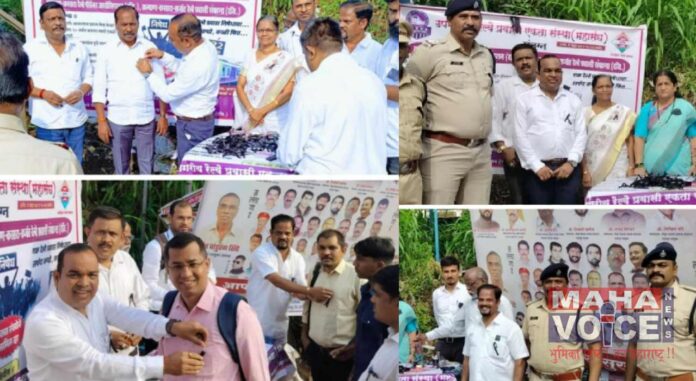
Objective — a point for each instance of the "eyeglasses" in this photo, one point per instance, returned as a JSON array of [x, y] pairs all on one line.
[[193, 266]]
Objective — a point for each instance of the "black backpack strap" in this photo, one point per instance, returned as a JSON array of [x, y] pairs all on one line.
[[168, 302], [691, 318], [315, 275], [227, 324], [492, 58]]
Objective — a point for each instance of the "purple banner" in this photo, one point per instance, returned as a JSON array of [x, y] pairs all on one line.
[[432, 377], [20, 232], [194, 167], [683, 197]]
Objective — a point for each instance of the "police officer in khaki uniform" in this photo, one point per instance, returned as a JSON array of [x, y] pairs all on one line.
[[557, 361], [457, 77], [410, 126], [662, 360]]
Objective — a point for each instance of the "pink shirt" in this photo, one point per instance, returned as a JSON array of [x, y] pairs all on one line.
[[218, 361]]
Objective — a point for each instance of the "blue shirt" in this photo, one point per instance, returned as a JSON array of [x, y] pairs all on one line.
[[369, 333]]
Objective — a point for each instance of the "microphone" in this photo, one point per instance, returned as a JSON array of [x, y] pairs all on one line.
[[607, 318]]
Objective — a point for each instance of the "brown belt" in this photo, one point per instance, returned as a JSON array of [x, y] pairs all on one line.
[[554, 161], [408, 167], [447, 138], [201, 119], [568, 376], [681, 377]]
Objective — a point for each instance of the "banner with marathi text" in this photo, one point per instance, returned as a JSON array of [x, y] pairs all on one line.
[[37, 220]]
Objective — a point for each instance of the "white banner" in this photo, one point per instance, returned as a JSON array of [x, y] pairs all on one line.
[[585, 49], [229, 25], [37, 220], [342, 205], [515, 245]]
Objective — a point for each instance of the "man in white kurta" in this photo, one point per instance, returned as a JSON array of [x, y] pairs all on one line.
[[67, 337], [337, 121]]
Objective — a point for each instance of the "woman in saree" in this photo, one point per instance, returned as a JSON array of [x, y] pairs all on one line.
[[265, 83], [609, 150], [665, 132]]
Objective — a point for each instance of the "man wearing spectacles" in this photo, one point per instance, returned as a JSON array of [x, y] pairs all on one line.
[[199, 300]]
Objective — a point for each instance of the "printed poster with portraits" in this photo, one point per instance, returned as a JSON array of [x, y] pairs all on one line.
[[37, 220], [603, 248], [234, 219]]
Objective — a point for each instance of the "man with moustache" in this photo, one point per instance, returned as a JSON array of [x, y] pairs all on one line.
[[616, 255], [546, 221], [66, 335], [636, 252], [574, 251], [130, 98], [539, 252], [493, 331], [458, 74], [272, 195], [594, 279], [662, 269], [61, 72], [485, 222], [336, 205], [358, 230], [524, 59], [574, 279], [119, 277], [376, 228], [366, 207], [277, 272], [537, 327], [354, 18], [288, 200], [352, 207], [523, 251], [594, 255], [304, 11], [537, 278], [616, 280], [382, 206], [640, 280], [22, 153], [223, 231], [344, 227], [194, 90], [322, 201], [329, 327], [154, 272], [550, 136], [197, 299]]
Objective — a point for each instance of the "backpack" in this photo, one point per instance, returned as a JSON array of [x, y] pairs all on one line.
[[226, 320]]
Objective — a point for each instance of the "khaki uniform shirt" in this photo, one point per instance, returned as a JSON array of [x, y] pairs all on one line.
[[664, 359], [333, 325], [548, 357], [459, 87], [410, 118]]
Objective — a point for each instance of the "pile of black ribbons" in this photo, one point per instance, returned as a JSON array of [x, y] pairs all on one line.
[[239, 144], [664, 181]]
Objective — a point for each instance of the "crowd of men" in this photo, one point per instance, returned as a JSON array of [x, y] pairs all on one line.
[[477, 329], [451, 117], [325, 127], [103, 316]]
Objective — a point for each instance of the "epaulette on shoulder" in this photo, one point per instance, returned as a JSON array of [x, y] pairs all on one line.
[[431, 43]]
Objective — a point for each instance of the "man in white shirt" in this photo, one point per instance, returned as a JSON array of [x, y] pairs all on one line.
[[119, 276], [448, 300], [304, 11], [495, 348], [524, 59], [66, 335], [131, 102], [332, 131], [354, 18], [62, 74], [550, 136], [278, 273], [388, 71], [22, 153], [194, 90]]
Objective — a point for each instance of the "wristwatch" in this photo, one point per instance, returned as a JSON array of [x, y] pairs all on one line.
[[501, 148], [169, 326], [573, 163]]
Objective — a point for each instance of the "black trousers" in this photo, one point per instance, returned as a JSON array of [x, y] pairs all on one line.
[[451, 349], [324, 367], [295, 333], [514, 177], [552, 191]]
